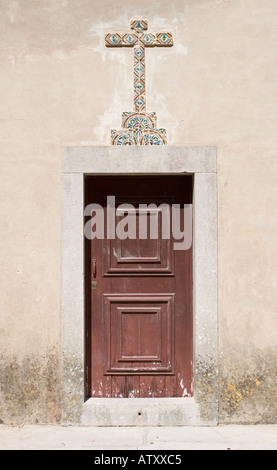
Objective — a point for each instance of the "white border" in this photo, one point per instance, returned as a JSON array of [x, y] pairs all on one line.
[[200, 161]]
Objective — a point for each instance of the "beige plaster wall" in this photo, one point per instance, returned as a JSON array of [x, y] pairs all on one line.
[[61, 86]]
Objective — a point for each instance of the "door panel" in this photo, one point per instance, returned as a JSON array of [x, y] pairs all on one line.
[[139, 334], [138, 291], [141, 255]]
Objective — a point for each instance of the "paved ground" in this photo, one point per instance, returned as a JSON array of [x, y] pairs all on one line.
[[259, 437]]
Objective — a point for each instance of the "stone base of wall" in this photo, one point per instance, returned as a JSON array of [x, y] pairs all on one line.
[[248, 386], [30, 389]]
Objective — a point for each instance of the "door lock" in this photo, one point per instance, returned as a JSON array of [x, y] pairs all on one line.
[[93, 267]]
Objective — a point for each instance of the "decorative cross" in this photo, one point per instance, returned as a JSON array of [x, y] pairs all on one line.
[[139, 39], [139, 127]]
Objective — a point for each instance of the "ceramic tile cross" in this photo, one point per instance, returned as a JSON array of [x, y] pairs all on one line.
[[139, 39], [139, 127]]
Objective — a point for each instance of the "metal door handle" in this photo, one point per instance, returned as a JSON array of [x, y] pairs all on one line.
[[93, 268]]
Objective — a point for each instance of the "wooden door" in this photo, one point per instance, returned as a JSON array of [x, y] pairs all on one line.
[[138, 292]]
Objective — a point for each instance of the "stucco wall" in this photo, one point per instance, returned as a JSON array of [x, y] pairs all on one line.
[[60, 87]]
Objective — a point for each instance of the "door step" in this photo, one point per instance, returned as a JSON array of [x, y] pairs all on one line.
[[147, 412]]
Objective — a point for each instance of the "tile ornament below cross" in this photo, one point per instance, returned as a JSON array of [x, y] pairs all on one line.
[[138, 126]]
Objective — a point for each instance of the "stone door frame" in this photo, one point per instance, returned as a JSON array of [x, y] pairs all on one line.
[[202, 408]]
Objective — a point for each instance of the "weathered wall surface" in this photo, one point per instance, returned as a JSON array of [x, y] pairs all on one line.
[[61, 86]]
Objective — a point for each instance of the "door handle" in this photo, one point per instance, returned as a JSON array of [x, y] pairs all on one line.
[[93, 268]]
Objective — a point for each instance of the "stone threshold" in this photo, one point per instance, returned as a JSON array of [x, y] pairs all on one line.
[[147, 412]]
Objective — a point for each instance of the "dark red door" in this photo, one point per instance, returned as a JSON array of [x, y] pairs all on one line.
[[139, 289]]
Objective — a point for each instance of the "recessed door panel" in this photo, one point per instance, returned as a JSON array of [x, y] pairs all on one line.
[[139, 334], [142, 243]]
